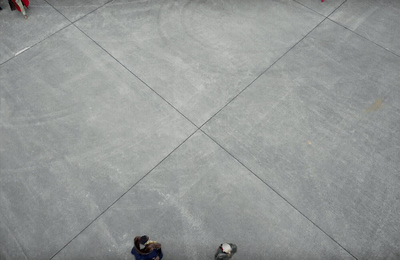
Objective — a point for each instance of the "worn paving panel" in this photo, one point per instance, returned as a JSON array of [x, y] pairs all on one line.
[[378, 21], [74, 9], [196, 199], [16, 33], [198, 55], [321, 127], [9, 245], [324, 8], [76, 131]]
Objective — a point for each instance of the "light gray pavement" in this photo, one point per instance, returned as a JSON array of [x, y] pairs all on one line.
[[274, 125]]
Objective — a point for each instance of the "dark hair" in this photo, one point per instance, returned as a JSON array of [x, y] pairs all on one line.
[[144, 239]]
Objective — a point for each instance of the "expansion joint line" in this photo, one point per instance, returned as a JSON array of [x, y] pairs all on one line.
[[280, 195], [136, 76], [123, 194], [291, 48], [269, 186]]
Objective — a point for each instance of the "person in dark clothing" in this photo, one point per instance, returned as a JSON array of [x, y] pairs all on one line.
[[145, 249], [225, 251]]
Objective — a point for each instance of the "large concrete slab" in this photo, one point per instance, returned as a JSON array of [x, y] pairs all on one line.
[[321, 127], [194, 200], [77, 130], [198, 54], [75, 9], [16, 33], [325, 8], [378, 21]]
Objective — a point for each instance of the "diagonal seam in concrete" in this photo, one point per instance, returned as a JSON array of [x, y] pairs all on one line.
[[137, 77], [123, 194], [377, 44], [275, 191], [82, 16], [30, 47], [15, 238], [268, 68]]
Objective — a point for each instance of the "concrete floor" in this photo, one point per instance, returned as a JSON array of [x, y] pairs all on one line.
[[270, 124]]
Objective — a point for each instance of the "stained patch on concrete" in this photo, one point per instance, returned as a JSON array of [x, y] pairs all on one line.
[[375, 106]]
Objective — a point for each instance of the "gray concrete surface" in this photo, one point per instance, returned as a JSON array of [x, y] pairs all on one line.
[[270, 124]]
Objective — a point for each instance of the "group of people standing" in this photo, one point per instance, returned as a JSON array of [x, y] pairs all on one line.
[[145, 249], [19, 5]]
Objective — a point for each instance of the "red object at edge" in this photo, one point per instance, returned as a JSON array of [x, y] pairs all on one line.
[[24, 2]]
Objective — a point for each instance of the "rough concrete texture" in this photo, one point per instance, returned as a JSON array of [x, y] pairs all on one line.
[[273, 125], [325, 9]]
